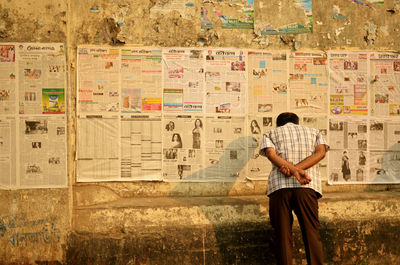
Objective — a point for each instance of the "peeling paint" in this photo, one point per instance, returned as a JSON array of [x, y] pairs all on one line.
[[337, 14], [111, 29], [370, 36], [338, 31], [384, 30], [95, 9]]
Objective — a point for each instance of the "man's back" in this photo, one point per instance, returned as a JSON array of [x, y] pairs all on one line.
[[293, 143]]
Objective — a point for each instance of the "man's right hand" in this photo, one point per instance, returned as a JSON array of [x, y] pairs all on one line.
[[301, 175]]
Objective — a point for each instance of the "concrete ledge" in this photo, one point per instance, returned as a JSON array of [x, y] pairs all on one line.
[[355, 228]]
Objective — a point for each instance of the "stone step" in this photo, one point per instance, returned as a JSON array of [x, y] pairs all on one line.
[[355, 227]]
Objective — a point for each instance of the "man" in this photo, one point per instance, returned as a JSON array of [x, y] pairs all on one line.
[[294, 184]]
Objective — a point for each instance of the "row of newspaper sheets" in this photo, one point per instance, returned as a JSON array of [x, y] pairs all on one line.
[[234, 81], [225, 148], [186, 114], [192, 114], [33, 150]]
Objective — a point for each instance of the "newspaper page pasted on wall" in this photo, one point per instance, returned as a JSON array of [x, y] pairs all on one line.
[[140, 80], [98, 80], [320, 122], [348, 139], [226, 148], [258, 167], [8, 68], [183, 147], [268, 82], [43, 152], [183, 81], [98, 148], [226, 81], [308, 82], [33, 151], [385, 80], [8, 151], [41, 78], [384, 150], [348, 84], [141, 147]]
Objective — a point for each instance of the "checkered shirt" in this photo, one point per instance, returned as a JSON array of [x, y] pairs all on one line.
[[293, 143]]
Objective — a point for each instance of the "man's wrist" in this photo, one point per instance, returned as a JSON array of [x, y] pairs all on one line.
[[299, 166]]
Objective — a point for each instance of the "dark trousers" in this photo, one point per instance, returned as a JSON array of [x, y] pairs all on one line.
[[304, 203]]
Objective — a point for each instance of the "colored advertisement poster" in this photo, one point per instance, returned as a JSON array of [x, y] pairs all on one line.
[[53, 101], [283, 17], [235, 15]]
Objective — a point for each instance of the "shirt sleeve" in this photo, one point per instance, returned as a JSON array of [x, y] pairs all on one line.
[[266, 143], [321, 140]]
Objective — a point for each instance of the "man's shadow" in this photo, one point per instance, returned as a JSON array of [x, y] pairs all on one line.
[[242, 238], [389, 171]]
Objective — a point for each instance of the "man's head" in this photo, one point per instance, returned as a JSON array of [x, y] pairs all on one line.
[[286, 117]]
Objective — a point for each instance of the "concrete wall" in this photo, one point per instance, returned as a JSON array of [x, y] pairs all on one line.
[[56, 216], [33, 223]]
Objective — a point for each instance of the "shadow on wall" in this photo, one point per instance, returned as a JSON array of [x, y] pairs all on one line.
[[388, 166], [228, 166], [231, 238]]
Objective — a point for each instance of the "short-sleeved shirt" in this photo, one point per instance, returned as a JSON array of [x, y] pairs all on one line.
[[293, 143]]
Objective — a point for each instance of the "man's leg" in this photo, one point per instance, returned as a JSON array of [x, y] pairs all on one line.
[[306, 210], [281, 217]]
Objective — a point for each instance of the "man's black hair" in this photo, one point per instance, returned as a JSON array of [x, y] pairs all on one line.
[[286, 117]]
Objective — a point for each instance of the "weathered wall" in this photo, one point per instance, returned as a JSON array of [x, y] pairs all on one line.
[[137, 23], [33, 223], [47, 213], [40, 21], [364, 28], [355, 229]]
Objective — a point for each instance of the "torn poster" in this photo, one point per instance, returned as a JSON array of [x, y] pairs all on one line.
[[283, 17], [236, 15]]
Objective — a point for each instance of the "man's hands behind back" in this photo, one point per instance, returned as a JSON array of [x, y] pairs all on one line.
[[301, 175]]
